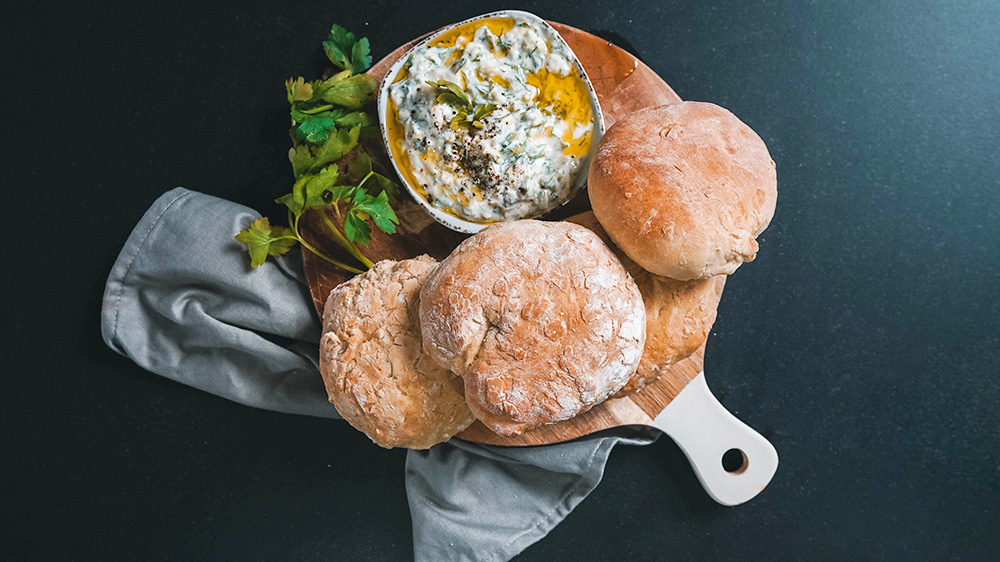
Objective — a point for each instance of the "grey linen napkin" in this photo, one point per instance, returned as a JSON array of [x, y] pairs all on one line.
[[182, 301]]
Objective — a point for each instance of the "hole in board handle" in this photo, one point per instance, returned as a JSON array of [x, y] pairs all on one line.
[[735, 461]]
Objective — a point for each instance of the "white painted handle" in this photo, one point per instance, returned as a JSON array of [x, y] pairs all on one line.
[[705, 430]]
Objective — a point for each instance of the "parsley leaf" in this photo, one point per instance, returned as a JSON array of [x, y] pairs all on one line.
[[451, 94], [355, 118], [339, 193], [318, 187], [361, 58], [336, 147], [264, 240], [371, 133], [350, 92], [377, 208], [385, 184], [459, 120], [301, 158], [311, 191], [315, 129], [294, 201], [298, 90], [361, 167], [481, 112], [337, 46], [356, 229], [345, 52], [467, 114], [364, 207], [361, 170], [301, 115]]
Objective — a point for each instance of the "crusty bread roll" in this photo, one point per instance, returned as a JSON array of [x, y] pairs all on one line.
[[679, 314], [373, 364], [539, 318], [683, 189]]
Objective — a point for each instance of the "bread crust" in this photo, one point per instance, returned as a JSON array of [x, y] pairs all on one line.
[[539, 318], [679, 314], [683, 189], [373, 364]]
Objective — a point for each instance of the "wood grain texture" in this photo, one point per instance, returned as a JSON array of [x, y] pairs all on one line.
[[623, 84]]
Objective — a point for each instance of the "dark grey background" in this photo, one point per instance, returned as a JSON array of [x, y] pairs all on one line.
[[864, 342]]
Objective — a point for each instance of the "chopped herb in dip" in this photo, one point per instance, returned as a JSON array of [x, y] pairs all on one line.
[[491, 121]]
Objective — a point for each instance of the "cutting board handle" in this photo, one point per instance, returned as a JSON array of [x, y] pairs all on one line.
[[706, 432]]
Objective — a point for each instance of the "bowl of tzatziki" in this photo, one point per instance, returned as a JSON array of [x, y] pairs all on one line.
[[491, 119]]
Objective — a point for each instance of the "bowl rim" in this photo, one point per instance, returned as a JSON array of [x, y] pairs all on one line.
[[451, 221]]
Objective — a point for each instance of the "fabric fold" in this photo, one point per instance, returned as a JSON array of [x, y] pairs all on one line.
[[182, 301], [507, 498]]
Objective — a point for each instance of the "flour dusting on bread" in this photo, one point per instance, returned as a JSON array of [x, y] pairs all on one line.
[[539, 318]]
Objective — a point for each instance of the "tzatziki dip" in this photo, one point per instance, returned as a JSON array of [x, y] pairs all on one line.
[[491, 120]]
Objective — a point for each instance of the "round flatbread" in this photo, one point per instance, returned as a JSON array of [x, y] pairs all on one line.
[[539, 318], [373, 364], [683, 189], [679, 314]]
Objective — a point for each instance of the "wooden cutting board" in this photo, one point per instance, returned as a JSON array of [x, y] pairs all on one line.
[[700, 425], [623, 84]]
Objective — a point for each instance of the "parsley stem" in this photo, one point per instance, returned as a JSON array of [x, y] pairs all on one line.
[[347, 244], [321, 255], [316, 110], [343, 266]]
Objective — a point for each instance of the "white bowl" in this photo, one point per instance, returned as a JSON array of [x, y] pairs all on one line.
[[447, 219]]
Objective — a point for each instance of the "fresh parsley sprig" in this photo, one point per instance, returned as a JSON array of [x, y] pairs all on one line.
[[345, 52], [468, 114], [328, 121], [264, 240]]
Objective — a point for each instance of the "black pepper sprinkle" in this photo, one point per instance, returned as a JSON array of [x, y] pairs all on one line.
[[477, 163]]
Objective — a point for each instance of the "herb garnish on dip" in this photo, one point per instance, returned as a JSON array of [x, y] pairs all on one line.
[[492, 120]]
